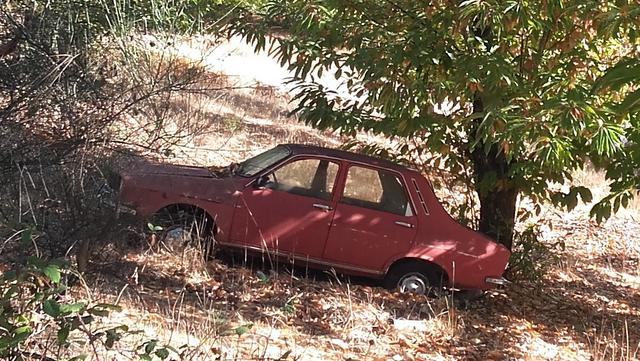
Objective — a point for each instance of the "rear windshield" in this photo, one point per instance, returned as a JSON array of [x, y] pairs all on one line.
[[255, 165]]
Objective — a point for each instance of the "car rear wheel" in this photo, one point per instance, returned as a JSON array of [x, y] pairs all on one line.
[[414, 277], [178, 226]]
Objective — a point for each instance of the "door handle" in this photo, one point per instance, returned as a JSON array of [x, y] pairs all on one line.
[[404, 224], [324, 207]]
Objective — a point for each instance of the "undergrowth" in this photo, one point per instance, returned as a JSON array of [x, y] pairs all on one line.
[[531, 257]]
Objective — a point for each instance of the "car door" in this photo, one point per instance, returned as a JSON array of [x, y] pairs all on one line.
[[373, 221], [289, 209]]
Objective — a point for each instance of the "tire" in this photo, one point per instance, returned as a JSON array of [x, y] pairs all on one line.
[[177, 226], [415, 277]]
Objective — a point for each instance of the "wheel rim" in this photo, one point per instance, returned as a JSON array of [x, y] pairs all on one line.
[[413, 283], [180, 228]]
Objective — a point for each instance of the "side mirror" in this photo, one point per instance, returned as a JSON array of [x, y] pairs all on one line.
[[261, 182]]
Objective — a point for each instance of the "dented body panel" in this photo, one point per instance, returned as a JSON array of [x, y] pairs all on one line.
[[324, 229]]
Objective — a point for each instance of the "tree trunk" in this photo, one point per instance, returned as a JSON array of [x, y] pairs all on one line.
[[497, 215], [495, 190]]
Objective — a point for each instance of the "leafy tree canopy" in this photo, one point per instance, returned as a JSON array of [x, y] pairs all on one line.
[[511, 91]]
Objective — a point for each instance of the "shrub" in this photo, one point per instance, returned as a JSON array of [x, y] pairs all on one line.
[[531, 257], [33, 307]]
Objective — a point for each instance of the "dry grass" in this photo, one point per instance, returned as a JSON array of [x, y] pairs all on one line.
[[586, 308], [200, 307], [226, 116], [595, 180]]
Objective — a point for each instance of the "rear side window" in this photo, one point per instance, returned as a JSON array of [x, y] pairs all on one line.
[[376, 189]]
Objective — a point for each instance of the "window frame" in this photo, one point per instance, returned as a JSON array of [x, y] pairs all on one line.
[[399, 175], [295, 158]]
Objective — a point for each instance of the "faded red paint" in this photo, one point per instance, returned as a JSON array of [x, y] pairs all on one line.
[[351, 239]]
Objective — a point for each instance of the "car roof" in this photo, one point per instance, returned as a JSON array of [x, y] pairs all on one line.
[[304, 149]]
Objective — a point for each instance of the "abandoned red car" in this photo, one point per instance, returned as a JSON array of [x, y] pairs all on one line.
[[328, 209]]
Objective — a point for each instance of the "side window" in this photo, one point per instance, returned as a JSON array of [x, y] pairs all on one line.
[[307, 177], [376, 189]]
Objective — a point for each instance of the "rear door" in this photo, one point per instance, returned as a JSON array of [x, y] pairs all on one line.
[[374, 220]]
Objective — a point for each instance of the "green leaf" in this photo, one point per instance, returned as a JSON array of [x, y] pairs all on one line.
[[585, 194], [149, 346], [36, 262], [154, 228], [571, 200], [626, 71], [52, 271], [63, 335], [24, 330], [21, 334], [84, 320], [5, 343], [243, 329], [51, 307], [72, 308], [109, 306], [25, 237], [114, 335], [162, 353], [98, 312], [103, 309], [263, 277], [631, 104], [284, 356]]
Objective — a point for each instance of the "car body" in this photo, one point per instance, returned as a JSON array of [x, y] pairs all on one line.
[[327, 208]]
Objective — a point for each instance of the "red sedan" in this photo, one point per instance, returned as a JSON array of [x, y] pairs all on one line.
[[329, 209]]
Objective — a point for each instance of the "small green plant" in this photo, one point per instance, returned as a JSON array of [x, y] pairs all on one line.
[[32, 303], [531, 257], [263, 277], [289, 307], [154, 228], [241, 330], [152, 350]]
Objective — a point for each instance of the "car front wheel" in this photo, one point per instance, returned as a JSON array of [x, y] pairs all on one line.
[[177, 226], [414, 277]]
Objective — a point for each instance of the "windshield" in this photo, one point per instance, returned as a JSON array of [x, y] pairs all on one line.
[[255, 165]]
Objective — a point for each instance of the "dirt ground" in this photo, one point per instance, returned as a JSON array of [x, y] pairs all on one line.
[[586, 308]]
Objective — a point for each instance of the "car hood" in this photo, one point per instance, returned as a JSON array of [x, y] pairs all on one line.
[[178, 181], [145, 168]]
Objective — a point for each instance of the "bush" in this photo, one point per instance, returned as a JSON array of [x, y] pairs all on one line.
[[33, 308], [74, 95], [531, 257]]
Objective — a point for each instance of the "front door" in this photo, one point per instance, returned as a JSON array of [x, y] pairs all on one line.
[[373, 221], [289, 210]]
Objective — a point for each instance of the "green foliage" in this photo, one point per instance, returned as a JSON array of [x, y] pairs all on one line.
[[289, 308], [154, 228], [531, 257], [241, 330], [501, 91], [263, 277], [151, 350], [623, 169], [32, 301]]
